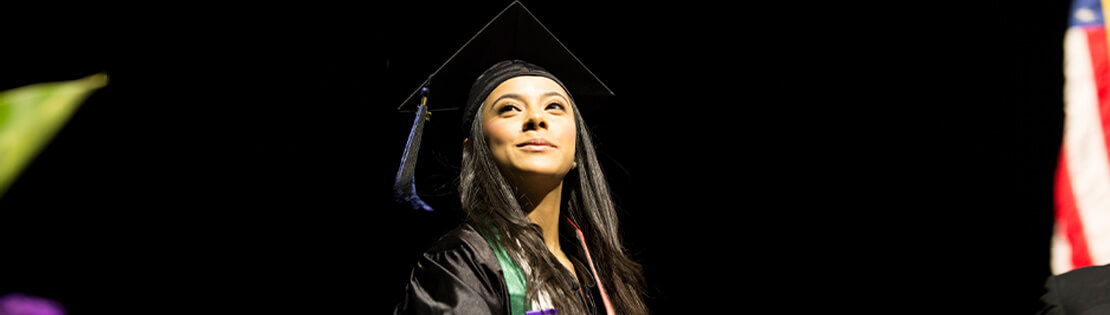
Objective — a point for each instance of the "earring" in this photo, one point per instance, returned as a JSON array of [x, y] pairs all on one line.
[[574, 166]]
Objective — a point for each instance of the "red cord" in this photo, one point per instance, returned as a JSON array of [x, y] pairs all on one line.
[[604, 296]]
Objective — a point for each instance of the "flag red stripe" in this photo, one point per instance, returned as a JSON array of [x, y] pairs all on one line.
[[1100, 64], [1067, 215]]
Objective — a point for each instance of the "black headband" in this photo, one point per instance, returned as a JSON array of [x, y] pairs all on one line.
[[492, 77]]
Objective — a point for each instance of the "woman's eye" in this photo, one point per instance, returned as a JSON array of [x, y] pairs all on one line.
[[506, 108], [556, 106]]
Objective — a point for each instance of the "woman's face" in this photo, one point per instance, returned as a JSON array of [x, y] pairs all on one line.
[[529, 125]]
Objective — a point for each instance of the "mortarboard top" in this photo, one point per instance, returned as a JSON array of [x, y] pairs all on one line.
[[514, 33]]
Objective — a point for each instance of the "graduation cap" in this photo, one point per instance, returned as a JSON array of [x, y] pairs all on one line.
[[513, 34]]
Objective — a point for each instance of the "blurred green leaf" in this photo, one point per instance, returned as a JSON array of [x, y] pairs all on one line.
[[31, 115]]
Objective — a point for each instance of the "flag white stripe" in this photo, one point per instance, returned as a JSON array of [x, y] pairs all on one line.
[[1061, 252]]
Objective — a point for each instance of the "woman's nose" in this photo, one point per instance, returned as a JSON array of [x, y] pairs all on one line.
[[535, 121]]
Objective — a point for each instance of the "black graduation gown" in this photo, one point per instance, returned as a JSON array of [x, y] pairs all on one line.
[[1081, 291], [460, 275]]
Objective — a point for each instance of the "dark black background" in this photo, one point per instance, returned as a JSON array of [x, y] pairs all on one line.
[[787, 157]]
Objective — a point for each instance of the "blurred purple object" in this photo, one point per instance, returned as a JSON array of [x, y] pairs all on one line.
[[550, 311], [20, 304]]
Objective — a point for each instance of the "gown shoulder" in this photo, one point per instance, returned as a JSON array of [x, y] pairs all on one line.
[[459, 274]]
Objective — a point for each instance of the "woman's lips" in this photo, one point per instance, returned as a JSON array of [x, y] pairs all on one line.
[[536, 148], [536, 145]]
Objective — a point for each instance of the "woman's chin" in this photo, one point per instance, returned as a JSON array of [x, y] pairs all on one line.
[[540, 171]]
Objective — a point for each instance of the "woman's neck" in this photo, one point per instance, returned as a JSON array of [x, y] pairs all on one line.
[[543, 210], [545, 213]]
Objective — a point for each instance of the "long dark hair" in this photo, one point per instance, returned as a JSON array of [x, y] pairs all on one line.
[[488, 200]]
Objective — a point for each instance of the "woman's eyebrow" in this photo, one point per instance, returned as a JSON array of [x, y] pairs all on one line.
[[554, 93], [521, 98], [506, 95]]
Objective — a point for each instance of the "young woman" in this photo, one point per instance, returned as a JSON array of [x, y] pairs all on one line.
[[541, 232]]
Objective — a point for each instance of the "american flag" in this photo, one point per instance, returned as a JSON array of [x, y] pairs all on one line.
[[1082, 233]]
